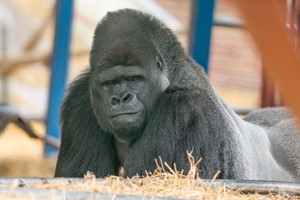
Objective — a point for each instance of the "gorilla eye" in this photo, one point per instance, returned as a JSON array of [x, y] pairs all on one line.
[[135, 82], [135, 78], [109, 85]]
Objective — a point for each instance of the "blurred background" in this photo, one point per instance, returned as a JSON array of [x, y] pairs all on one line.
[[27, 32]]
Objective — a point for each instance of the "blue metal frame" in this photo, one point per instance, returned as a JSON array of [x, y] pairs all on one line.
[[60, 62], [200, 38]]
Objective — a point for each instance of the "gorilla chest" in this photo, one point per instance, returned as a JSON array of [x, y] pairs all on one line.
[[122, 150]]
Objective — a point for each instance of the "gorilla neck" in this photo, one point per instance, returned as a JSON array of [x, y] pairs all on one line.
[[121, 149]]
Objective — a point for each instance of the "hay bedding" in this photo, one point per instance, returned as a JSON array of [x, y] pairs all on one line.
[[163, 183]]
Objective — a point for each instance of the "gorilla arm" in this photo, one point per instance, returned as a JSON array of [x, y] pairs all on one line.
[[283, 133], [186, 120], [84, 146]]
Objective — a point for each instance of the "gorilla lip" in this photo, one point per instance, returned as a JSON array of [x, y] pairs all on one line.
[[125, 113]]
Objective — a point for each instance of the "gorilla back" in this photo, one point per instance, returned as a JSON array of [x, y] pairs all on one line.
[[143, 97]]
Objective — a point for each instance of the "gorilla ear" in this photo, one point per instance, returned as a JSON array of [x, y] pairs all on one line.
[[159, 63]]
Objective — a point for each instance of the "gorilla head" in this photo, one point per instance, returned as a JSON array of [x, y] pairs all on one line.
[[144, 98], [126, 80]]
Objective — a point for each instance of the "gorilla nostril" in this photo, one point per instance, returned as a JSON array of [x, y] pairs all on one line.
[[127, 97], [114, 100]]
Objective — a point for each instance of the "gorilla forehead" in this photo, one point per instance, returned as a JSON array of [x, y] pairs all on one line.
[[112, 33], [129, 32], [120, 23], [134, 33], [122, 52]]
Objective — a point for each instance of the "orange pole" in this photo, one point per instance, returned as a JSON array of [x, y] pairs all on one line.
[[265, 21]]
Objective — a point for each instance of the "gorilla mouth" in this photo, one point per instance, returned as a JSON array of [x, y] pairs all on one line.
[[125, 113]]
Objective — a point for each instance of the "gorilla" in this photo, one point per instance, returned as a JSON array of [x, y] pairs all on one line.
[[144, 98]]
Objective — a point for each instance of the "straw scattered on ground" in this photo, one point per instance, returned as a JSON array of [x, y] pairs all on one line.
[[164, 182]]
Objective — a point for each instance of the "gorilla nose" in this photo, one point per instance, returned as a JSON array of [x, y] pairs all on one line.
[[126, 98]]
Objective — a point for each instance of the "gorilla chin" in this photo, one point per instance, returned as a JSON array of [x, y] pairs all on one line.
[[126, 125]]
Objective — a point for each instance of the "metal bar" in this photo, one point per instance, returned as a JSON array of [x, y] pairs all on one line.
[[202, 22], [266, 22], [4, 50], [60, 62], [74, 195], [20, 188], [229, 22]]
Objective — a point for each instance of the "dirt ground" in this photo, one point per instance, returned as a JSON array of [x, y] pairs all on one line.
[[21, 156]]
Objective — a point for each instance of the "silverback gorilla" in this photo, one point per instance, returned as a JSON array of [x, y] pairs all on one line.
[[143, 97]]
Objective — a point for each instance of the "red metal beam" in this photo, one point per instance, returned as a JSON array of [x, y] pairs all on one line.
[[265, 20]]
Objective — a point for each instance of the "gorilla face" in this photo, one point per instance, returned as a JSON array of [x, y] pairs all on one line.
[[123, 95]]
